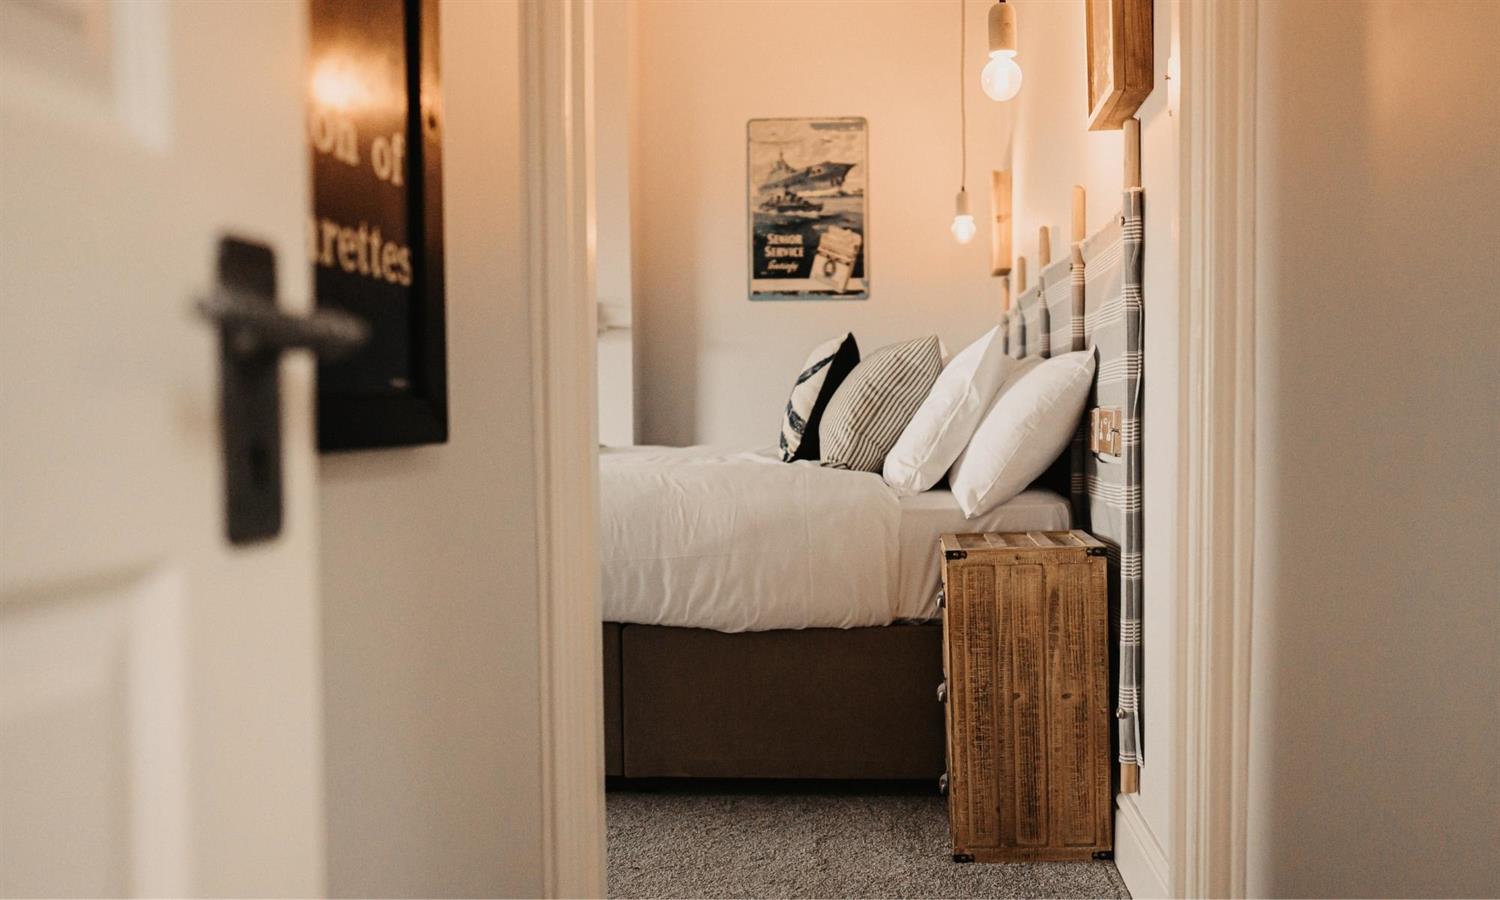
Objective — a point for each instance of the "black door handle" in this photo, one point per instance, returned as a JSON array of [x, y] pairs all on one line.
[[252, 327], [253, 333]]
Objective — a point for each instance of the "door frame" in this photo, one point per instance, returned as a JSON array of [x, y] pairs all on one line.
[[1216, 479], [1216, 442], [557, 86]]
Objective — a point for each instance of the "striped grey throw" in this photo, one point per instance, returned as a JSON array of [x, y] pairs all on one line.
[[1113, 323], [876, 402]]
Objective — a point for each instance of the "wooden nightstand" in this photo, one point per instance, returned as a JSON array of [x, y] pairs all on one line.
[[1026, 685]]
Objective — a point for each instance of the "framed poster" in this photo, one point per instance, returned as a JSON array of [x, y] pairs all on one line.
[[375, 236], [808, 209]]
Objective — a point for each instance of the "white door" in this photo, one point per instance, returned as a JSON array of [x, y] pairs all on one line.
[[160, 707]]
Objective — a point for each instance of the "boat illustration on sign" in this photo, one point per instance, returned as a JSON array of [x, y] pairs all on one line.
[[791, 205], [820, 176]]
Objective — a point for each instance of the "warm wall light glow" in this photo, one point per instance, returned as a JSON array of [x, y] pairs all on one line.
[[1001, 77], [335, 86]]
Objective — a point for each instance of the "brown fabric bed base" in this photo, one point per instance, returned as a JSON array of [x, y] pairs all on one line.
[[816, 703]]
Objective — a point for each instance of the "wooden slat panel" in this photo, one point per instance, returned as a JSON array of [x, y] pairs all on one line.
[[1070, 666], [980, 703], [1027, 612], [1005, 739], [956, 659], [1033, 540]]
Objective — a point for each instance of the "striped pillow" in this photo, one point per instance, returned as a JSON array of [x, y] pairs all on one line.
[[876, 403], [827, 367]]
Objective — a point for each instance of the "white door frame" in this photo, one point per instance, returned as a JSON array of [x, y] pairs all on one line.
[[1216, 477], [557, 84]]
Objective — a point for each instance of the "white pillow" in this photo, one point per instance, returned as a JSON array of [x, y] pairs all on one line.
[[947, 418], [1030, 423]]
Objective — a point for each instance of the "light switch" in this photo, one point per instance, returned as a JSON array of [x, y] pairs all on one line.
[[1104, 430]]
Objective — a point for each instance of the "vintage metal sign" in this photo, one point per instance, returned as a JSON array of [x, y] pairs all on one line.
[[375, 233], [808, 209]]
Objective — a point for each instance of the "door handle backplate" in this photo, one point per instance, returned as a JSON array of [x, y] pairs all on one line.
[[252, 335]]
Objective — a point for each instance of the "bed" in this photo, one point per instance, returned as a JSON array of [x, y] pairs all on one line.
[[774, 620]]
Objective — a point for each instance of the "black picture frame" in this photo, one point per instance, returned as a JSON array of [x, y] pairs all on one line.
[[357, 408]]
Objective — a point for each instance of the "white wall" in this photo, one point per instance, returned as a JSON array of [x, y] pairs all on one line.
[[1054, 150], [616, 387], [429, 583], [1050, 143], [614, 106], [715, 367], [1376, 673]]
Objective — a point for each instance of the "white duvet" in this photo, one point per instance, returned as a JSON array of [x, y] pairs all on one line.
[[740, 541]]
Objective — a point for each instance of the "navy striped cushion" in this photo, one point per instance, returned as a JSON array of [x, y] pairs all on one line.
[[821, 375], [876, 402]]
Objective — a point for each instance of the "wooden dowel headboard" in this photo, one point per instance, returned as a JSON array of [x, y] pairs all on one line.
[[1080, 218], [1000, 233]]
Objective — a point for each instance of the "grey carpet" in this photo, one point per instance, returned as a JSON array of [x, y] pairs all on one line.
[[757, 843]]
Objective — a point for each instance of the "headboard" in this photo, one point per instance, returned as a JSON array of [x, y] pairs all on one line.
[[1046, 320], [1092, 299]]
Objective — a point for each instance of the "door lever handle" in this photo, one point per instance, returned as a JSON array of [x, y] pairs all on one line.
[[252, 335], [251, 327]]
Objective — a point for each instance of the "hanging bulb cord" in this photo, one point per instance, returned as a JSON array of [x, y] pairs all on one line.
[[963, 106]]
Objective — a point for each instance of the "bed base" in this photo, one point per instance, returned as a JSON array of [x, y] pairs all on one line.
[[857, 703]]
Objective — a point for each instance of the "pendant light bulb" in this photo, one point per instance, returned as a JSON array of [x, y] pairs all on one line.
[[1001, 78], [963, 226]]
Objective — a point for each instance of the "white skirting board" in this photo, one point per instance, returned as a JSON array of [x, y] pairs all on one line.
[[1138, 852]]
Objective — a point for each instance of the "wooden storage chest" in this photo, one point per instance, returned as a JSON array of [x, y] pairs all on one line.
[[1026, 685]]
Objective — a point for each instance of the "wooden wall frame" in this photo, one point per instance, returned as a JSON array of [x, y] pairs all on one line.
[[393, 392], [1000, 253], [1121, 67]]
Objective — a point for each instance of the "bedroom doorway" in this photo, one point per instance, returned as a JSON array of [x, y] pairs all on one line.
[[802, 756]]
